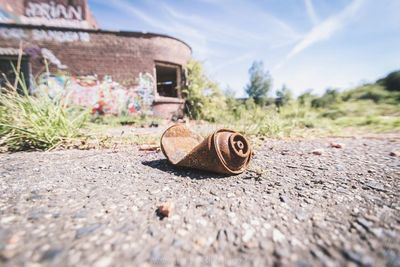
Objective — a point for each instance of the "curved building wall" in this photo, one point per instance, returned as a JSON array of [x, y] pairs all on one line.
[[124, 56]]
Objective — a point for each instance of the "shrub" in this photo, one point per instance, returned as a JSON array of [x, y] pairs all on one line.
[[283, 96], [376, 93], [391, 81], [330, 97], [306, 98], [204, 98]]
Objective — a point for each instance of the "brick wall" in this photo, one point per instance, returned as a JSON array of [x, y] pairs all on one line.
[[122, 55]]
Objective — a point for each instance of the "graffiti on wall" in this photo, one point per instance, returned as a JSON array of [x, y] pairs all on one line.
[[10, 33], [145, 89], [53, 10], [101, 96], [45, 35], [81, 24], [60, 36], [49, 55], [46, 54]]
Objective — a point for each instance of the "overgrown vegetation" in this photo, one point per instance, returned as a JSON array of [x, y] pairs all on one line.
[[373, 107], [391, 82], [40, 122], [204, 99], [36, 122]]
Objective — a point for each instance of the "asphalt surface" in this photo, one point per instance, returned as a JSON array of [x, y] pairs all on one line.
[[293, 208]]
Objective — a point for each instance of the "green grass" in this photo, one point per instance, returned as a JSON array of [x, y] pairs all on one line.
[[131, 120], [36, 122], [295, 120]]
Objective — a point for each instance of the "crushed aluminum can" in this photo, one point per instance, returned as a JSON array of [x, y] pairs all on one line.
[[224, 151]]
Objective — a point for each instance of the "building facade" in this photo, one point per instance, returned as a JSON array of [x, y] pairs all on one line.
[[131, 70]]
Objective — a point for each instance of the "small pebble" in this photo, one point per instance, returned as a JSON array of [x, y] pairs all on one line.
[[317, 152], [165, 210], [336, 145]]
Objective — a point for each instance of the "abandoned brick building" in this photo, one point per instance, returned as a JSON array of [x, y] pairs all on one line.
[[64, 35]]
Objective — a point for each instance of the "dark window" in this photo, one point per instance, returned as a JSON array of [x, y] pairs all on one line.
[[7, 72], [168, 80]]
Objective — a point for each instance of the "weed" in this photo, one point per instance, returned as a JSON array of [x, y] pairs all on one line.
[[36, 122]]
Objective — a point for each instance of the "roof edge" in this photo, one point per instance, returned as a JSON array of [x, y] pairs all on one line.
[[120, 33]]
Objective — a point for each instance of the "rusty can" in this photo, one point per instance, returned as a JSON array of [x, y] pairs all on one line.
[[224, 151]]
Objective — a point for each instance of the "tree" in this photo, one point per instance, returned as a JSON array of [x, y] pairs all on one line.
[[391, 81], [283, 96], [260, 82]]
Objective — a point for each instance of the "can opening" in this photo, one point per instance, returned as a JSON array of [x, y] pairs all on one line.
[[239, 144]]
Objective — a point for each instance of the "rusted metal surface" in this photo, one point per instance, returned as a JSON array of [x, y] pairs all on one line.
[[224, 151]]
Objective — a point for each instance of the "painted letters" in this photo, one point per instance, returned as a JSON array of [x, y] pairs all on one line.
[[10, 33], [60, 36], [45, 35], [54, 11]]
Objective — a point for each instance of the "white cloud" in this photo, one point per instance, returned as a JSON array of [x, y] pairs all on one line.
[[234, 60], [130, 8], [311, 11], [324, 30], [224, 33], [227, 32], [191, 35]]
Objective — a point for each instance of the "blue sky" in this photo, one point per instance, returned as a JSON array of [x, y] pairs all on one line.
[[305, 44]]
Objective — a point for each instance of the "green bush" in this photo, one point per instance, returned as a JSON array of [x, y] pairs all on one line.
[[204, 98], [305, 98], [391, 82], [283, 96], [373, 92], [329, 98]]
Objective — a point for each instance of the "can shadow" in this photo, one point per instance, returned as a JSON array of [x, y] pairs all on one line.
[[165, 166]]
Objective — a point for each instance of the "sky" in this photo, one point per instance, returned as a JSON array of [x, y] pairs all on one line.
[[304, 44]]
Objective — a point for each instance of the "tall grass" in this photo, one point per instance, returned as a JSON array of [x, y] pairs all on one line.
[[35, 122], [297, 120]]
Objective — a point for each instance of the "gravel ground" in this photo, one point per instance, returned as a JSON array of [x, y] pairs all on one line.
[[293, 208]]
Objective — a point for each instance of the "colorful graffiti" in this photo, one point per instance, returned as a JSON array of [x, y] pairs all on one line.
[[102, 97], [145, 89]]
